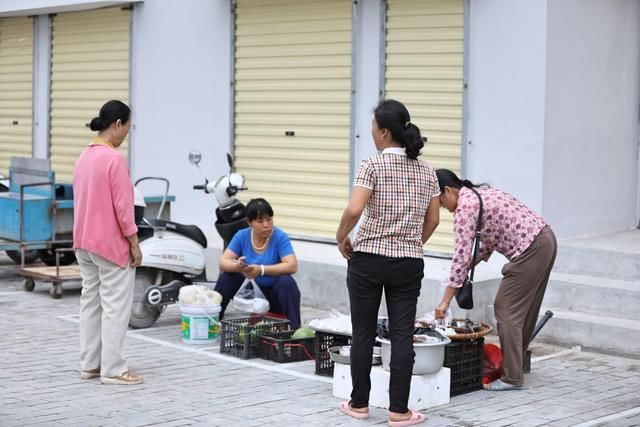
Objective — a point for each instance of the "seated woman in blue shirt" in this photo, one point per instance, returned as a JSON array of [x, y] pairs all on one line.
[[264, 253]]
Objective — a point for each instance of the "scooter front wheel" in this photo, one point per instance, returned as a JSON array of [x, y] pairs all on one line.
[[142, 314]]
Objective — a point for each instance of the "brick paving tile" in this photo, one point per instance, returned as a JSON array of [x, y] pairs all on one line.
[[185, 385]]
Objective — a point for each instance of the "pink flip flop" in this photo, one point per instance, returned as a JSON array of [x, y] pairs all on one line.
[[346, 408], [416, 418]]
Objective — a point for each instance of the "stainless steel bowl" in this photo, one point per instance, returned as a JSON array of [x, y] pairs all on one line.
[[465, 325], [429, 356], [334, 354]]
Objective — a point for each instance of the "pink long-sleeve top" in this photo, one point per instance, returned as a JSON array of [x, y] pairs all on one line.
[[508, 226], [103, 214]]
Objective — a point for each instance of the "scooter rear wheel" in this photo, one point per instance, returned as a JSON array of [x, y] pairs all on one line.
[[48, 256], [143, 315], [29, 256]]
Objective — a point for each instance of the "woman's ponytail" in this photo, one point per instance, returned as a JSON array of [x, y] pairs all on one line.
[[413, 141], [446, 178], [467, 183], [96, 124]]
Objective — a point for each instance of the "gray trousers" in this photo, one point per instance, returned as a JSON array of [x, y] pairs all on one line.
[[518, 301], [105, 305]]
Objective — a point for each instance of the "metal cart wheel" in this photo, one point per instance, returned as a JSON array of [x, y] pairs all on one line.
[[29, 284], [56, 291]]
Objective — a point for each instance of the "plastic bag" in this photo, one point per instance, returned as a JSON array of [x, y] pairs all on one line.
[[199, 295], [250, 298], [492, 363]]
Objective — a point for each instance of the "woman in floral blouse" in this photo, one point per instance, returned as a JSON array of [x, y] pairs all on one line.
[[525, 239]]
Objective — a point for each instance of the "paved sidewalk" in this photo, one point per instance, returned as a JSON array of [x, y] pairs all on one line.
[[192, 385]]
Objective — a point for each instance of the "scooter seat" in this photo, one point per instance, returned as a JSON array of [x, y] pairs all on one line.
[[190, 231]]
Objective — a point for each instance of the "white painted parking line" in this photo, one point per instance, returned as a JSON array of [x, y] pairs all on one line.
[[206, 352], [287, 370], [231, 359], [572, 350], [612, 417]]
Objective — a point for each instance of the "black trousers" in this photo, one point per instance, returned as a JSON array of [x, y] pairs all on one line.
[[400, 278]]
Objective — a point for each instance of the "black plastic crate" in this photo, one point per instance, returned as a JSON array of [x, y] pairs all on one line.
[[281, 348], [241, 336], [324, 341], [466, 361]]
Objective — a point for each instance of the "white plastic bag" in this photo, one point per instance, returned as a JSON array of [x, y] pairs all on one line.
[[199, 295], [250, 298]]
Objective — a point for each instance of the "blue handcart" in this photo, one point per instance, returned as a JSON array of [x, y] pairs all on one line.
[[36, 217]]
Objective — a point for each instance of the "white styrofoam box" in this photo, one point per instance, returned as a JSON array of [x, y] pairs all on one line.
[[427, 391]]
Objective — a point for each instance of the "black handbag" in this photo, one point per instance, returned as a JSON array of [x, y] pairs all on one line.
[[464, 294]]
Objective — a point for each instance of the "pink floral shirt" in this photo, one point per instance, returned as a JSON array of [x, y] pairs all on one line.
[[508, 226]]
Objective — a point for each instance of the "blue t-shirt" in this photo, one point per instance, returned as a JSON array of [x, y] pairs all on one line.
[[278, 248]]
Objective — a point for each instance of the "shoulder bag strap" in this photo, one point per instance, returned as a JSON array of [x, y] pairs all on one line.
[[476, 244]]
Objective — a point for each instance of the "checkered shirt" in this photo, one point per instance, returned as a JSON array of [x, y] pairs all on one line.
[[394, 215]]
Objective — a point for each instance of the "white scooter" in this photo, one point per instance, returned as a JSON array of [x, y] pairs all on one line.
[[173, 254]]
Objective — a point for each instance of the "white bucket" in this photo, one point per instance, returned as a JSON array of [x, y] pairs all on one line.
[[200, 323]]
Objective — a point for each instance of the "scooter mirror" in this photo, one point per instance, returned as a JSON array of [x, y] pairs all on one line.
[[230, 161], [194, 157]]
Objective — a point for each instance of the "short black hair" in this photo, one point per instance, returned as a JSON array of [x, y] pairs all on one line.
[[258, 208]]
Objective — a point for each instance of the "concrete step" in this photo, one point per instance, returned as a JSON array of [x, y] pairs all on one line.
[[594, 295], [613, 255], [600, 333]]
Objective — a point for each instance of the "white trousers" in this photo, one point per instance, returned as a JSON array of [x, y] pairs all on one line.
[[105, 306]]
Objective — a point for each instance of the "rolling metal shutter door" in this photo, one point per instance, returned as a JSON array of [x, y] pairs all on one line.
[[89, 66], [424, 70], [293, 75], [16, 76]]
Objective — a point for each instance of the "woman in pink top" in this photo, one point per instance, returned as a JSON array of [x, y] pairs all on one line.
[[106, 243], [524, 238]]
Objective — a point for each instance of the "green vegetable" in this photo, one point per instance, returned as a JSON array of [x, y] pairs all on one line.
[[254, 332], [242, 331], [303, 332]]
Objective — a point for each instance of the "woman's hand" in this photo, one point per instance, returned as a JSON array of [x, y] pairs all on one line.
[[441, 310], [239, 265], [346, 248], [359, 198], [136, 255], [134, 250], [252, 271], [230, 262]]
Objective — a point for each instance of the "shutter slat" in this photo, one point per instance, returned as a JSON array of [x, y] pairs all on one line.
[[424, 70], [293, 73], [16, 96], [89, 66]]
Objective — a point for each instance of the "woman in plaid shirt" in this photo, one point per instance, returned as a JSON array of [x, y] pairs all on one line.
[[397, 195]]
